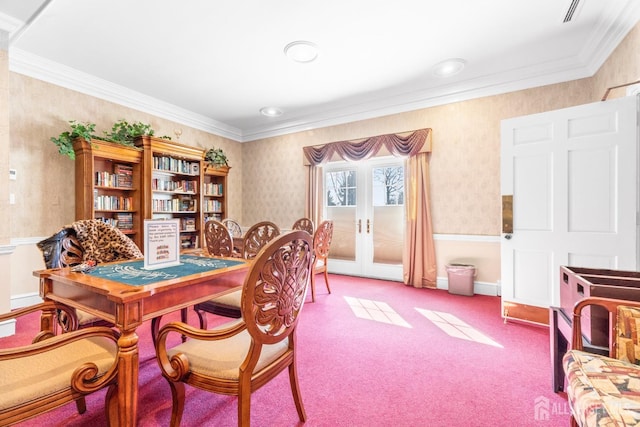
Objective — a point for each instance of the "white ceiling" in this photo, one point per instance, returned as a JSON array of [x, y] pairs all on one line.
[[213, 64]]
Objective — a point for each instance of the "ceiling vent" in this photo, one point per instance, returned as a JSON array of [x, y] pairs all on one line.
[[572, 9]]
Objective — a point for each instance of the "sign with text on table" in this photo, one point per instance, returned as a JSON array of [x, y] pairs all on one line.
[[161, 243]]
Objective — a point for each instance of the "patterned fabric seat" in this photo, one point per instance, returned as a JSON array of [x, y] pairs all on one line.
[[605, 390]]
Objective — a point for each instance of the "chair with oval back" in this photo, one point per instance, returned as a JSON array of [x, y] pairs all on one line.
[[228, 304], [219, 243], [304, 224], [236, 233], [241, 356], [321, 245]]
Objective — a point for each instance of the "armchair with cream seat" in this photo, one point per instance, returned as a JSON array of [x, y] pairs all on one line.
[[219, 242], [245, 354], [228, 305], [57, 369], [604, 390]]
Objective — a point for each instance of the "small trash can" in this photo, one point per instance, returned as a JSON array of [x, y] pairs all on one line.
[[461, 278]]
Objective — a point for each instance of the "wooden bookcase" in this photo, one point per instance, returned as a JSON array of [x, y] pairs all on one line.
[[108, 185], [172, 186], [214, 192]]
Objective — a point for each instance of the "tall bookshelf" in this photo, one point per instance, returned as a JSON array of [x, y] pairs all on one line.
[[108, 183], [172, 186], [214, 192]]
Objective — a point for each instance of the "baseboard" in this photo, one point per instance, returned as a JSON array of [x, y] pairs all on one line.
[[7, 328], [525, 313], [480, 288], [25, 300]]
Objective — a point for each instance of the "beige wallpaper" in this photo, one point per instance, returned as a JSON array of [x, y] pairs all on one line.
[[45, 186], [267, 177]]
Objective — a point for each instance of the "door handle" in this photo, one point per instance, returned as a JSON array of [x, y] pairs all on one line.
[[359, 226], [507, 236], [368, 226]]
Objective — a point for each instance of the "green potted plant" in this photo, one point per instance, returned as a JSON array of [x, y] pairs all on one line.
[[64, 141], [122, 133], [216, 158]]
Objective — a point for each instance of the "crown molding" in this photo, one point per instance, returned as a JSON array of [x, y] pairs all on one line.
[[9, 24], [604, 40], [52, 72]]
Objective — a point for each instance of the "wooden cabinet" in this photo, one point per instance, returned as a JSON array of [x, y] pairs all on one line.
[[214, 192], [172, 186], [108, 185]]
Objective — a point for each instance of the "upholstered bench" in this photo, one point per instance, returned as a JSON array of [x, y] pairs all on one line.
[[601, 390]]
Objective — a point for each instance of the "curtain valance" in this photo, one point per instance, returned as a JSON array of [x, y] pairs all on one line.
[[404, 144]]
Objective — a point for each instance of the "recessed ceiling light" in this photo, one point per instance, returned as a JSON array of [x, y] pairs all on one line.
[[301, 51], [449, 67], [271, 111]]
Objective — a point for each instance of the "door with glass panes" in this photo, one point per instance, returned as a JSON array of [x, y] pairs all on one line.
[[365, 200]]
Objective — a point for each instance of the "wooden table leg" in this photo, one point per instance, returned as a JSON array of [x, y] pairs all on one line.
[[128, 365]]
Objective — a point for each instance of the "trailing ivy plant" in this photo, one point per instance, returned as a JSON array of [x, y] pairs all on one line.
[[216, 157], [124, 132], [64, 141]]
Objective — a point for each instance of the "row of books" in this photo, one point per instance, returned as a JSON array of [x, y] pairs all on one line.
[[176, 165], [212, 189], [122, 176], [188, 224], [122, 221], [213, 215], [174, 205], [113, 203], [212, 206], [188, 241], [169, 185]]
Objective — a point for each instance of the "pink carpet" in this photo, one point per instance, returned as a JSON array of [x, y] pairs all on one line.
[[360, 372]]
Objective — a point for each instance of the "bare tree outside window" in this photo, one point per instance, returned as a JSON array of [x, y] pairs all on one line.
[[341, 188], [388, 186]]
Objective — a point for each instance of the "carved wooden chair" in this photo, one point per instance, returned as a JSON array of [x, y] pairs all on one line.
[[304, 224], [64, 250], [219, 243], [236, 233], [228, 305], [243, 355], [34, 380], [257, 237], [321, 245]]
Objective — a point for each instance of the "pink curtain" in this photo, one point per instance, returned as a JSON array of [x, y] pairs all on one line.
[[419, 262], [419, 259]]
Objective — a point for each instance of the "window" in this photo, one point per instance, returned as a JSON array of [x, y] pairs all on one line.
[[341, 188], [388, 186]]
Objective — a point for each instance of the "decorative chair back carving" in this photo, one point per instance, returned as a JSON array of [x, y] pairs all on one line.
[[257, 237], [304, 224], [263, 342], [233, 227], [218, 239], [62, 249], [321, 245]]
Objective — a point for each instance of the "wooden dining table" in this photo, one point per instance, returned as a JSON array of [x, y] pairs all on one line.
[[126, 294]]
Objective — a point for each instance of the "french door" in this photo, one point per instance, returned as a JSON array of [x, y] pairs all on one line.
[[365, 200]]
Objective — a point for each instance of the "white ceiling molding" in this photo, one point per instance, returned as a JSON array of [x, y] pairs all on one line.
[[39, 68]]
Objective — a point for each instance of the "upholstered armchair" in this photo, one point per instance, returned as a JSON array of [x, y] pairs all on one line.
[[245, 354], [603, 389], [57, 369]]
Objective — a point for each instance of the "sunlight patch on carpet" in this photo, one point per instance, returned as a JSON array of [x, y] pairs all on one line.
[[375, 310], [456, 328]]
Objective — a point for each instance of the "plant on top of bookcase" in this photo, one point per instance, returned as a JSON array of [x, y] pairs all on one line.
[[216, 158], [64, 141], [122, 132]]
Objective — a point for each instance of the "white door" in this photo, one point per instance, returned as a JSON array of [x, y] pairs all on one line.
[[573, 177], [365, 200]]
